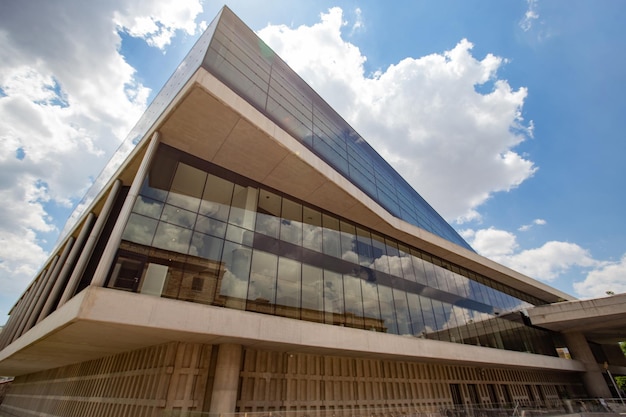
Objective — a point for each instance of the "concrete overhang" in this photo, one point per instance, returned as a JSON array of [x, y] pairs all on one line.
[[212, 122], [99, 322], [601, 320]]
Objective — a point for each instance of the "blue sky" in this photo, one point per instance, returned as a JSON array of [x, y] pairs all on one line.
[[508, 117]]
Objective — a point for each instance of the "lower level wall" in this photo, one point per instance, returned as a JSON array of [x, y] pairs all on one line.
[[179, 377], [290, 381], [139, 383]]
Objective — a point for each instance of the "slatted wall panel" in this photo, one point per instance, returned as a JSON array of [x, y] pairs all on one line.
[[140, 383]]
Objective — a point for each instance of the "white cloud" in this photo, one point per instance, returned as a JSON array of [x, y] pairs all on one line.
[[536, 222], [452, 143], [68, 99], [530, 16], [608, 277], [545, 263]]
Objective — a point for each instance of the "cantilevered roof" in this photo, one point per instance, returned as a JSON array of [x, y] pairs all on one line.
[[236, 56], [601, 320]]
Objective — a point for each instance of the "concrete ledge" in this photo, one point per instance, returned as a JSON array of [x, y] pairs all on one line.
[[100, 322]]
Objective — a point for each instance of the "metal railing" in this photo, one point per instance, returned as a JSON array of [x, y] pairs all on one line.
[[582, 407]]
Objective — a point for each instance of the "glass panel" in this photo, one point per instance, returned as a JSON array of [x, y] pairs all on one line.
[[291, 225], [348, 242], [187, 186], [330, 232], [178, 216], [288, 288], [333, 298], [262, 288], [243, 209], [172, 238], [393, 257], [206, 246], [415, 309], [387, 309], [234, 286], [312, 229], [216, 198], [371, 308], [239, 235], [312, 293], [199, 282], [364, 247], [354, 301], [154, 279], [210, 226], [430, 325], [380, 253], [402, 312], [268, 213], [140, 229], [148, 207]]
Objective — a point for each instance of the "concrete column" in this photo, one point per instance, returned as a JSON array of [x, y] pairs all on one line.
[[67, 267], [593, 380], [39, 295], [14, 321], [87, 251], [226, 382], [28, 305], [45, 295], [115, 238]]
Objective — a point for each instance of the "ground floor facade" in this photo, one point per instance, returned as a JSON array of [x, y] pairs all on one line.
[[199, 377]]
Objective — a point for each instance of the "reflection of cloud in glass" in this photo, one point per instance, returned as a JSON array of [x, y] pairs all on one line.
[[172, 238], [140, 229], [312, 237]]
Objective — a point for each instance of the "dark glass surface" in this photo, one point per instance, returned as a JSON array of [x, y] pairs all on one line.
[[261, 251]]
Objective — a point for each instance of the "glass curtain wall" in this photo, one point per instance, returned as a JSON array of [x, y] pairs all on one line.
[[202, 234]]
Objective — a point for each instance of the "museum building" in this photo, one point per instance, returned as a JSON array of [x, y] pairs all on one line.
[[246, 250]]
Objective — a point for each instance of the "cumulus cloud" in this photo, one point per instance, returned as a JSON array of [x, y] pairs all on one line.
[[536, 222], [67, 99], [530, 16], [454, 144], [545, 263], [608, 278]]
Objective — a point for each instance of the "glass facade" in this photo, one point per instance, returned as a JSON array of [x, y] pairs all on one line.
[[203, 234], [246, 64]]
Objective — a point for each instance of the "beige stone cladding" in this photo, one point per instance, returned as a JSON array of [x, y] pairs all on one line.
[[179, 377], [140, 383]]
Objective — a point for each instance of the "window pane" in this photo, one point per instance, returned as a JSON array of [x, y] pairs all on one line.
[[387, 309], [353, 301], [148, 207], [288, 288], [262, 288], [140, 229], [312, 293], [178, 216], [210, 226], [312, 229], [243, 209], [172, 238], [333, 298], [234, 287], [187, 186], [291, 223], [331, 243], [216, 198], [268, 213], [371, 308], [206, 246], [402, 312]]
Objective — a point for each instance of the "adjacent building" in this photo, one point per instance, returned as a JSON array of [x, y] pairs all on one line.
[[248, 251]]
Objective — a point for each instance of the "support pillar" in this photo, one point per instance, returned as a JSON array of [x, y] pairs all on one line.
[[67, 267], [593, 380], [90, 245], [40, 295], [226, 382], [115, 238]]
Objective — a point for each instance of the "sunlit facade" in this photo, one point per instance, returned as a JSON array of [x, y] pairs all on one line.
[[253, 253]]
